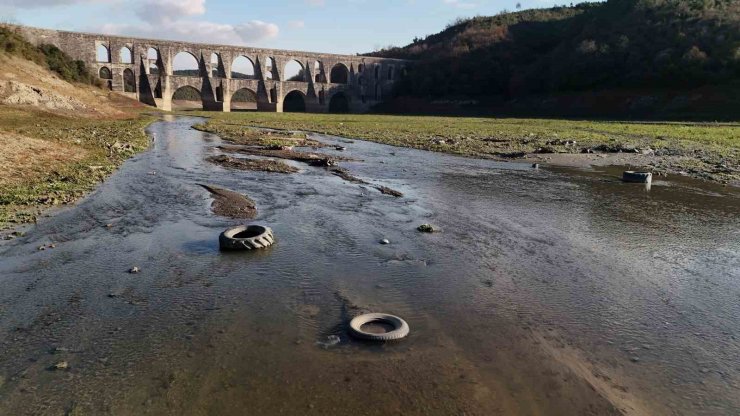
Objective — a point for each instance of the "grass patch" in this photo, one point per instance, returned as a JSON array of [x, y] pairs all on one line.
[[716, 145], [106, 144]]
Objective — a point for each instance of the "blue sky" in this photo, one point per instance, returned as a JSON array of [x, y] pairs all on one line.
[[339, 26]]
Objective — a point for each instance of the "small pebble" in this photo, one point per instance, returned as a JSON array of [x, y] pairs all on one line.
[[61, 365], [42, 248], [635, 359], [134, 270], [384, 241], [535, 166]]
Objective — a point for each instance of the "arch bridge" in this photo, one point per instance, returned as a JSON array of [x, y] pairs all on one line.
[[158, 72]]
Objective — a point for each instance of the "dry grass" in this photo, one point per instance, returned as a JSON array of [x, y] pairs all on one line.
[[51, 155], [28, 159]]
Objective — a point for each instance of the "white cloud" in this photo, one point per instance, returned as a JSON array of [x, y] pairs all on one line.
[[155, 11], [173, 19], [257, 30], [194, 31]]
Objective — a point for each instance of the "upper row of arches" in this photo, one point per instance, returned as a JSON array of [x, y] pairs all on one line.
[[186, 64]]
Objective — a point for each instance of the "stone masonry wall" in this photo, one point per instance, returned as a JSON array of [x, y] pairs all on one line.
[[368, 79]]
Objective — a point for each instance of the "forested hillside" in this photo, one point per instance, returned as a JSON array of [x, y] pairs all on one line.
[[618, 44]]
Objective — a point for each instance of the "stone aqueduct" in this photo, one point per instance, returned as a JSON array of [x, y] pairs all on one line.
[[144, 69]]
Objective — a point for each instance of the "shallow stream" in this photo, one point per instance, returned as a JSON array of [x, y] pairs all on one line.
[[550, 291]]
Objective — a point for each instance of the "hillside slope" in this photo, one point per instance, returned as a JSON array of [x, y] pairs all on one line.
[[57, 139], [618, 44]]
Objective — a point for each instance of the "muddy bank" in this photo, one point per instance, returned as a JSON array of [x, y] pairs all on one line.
[[231, 204], [289, 154], [344, 174], [260, 165], [708, 151], [659, 165], [248, 136]]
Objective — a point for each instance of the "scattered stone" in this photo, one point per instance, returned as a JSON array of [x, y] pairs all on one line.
[[535, 165], [340, 148], [134, 270], [61, 365], [324, 162], [261, 165], [52, 246], [42, 248], [279, 147], [108, 225], [426, 228], [384, 241], [331, 341], [635, 359]]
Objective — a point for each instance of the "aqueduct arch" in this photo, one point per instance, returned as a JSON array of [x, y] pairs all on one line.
[[154, 72]]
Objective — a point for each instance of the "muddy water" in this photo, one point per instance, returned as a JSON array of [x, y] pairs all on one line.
[[546, 292]]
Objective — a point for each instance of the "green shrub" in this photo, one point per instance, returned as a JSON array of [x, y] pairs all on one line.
[[613, 44], [48, 56]]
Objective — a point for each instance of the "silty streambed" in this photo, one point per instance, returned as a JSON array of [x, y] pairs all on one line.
[[546, 292]]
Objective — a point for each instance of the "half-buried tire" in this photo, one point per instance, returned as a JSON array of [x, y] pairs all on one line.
[[400, 327], [246, 237]]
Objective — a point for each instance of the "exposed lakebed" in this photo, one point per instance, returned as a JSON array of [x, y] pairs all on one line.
[[545, 292]]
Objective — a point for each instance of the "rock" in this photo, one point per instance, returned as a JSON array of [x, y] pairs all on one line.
[[108, 225], [134, 270], [61, 365], [384, 241], [340, 148], [635, 359], [331, 341], [535, 165], [426, 228], [42, 248], [326, 162]]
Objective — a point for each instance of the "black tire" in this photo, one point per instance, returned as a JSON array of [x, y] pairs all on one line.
[[400, 327], [637, 177], [252, 237]]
